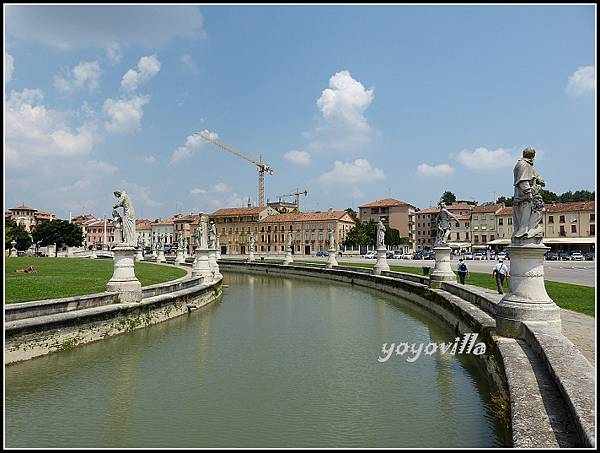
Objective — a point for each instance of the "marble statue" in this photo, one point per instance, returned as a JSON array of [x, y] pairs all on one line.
[[212, 235], [201, 234], [290, 239], [528, 205], [380, 234], [443, 225], [129, 236], [331, 241], [118, 226], [252, 241]]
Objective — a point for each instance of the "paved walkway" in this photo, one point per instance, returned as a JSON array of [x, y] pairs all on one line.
[[577, 327]]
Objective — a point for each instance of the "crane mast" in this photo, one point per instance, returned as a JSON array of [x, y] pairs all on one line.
[[263, 167], [296, 194]]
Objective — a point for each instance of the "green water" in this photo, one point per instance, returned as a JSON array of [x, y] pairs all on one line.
[[276, 363]]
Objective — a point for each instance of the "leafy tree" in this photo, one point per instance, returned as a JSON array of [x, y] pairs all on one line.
[[549, 197], [59, 232], [362, 234], [471, 202], [352, 213], [507, 201], [578, 195], [12, 231], [448, 197], [392, 237]]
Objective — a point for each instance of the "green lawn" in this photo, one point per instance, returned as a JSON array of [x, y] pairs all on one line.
[[571, 297], [64, 277]]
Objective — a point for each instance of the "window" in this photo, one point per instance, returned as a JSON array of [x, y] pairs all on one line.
[[573, 228], [476, 239], [562, 230], [592, 229], [593, 217], [492, 237], [562, 219], [550, 219], [510, 220], [484, 238]]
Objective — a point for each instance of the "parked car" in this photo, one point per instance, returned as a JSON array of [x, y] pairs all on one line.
[[577, 256], [590, 256], [468, 256], [389, 255], [564, 256], [503, 256], [370, 255], [479, 256], [428, 255], [322, 253], [552, 256], [397, 255], [417, 256], [407, 256]]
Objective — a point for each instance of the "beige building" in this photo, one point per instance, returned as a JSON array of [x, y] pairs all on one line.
[[395, 213], [143, 228], [184, 227], [483, 226], [309, 231], [426, 226], [570, 226], [28, 217], [234, 226]]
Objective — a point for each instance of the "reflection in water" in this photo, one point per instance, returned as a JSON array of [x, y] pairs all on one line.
[[279, 362]]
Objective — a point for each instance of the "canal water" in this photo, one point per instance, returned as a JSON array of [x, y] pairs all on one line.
[[278, 362]]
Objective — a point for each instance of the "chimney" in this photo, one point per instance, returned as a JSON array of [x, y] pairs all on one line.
[[330, 210]]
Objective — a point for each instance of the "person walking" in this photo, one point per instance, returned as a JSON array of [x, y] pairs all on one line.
[[462, 270], [500, 272]]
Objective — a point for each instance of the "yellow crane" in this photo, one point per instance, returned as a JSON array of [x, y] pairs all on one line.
[[263, 167], [296, 194]]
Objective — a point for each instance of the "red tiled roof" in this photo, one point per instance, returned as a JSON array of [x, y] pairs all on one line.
[[305, 216], [385, 202], [22, 208], [143, 224], [459, 207], [431, 210], [573, 206], [463, 217], [44, 215], [224, 212], [487, 208], [188, 218], [505, 211]]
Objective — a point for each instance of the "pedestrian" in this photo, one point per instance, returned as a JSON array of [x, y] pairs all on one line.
[[462, 270], [500, 272]]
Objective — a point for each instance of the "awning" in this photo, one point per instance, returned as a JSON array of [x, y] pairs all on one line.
[[499, 242], [458, 245], [484, 246], [569, 240]]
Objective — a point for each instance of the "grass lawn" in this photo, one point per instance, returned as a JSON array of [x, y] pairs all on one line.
[[571, 297], [64, 277]]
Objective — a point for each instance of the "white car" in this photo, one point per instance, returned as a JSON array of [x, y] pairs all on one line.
[[370, 255], [479, 256], [397, 255], [407, 256], [577, 256]]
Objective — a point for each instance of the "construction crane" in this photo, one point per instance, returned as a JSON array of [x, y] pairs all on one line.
[[263, 167], [297, 194]]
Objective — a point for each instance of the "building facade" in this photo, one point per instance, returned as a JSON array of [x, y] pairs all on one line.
[[398, 214], [28, 217], [426, 226], [570, 226], [234, 226], [483, 226]]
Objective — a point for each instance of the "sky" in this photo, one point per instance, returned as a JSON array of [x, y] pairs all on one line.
[[351, 103]]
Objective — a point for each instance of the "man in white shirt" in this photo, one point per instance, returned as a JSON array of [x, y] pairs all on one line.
[[500, 272]]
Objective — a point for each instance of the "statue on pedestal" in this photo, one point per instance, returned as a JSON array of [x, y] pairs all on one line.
[[331, 240], [443, 225], [290, 240], [251, 243], [212, 236], [528, 205], [128, 234], [380, 234]]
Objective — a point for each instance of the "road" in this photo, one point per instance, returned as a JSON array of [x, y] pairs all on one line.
[[576, 272]]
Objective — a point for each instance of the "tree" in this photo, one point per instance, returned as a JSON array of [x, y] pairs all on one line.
[[471, 202], [59, 232], [12, 231], [392, 237], [507, 201], [362, 234], [448, 197], [352, 213], [549, 197]]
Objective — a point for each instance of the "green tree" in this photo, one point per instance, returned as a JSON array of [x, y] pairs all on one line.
[[506, 200], [59, 232], [549, 197], [352, 213], [362, 234], [12, 231], [448, 197], [392, 237]]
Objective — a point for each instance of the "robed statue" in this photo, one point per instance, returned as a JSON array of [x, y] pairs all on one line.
[[380, 234], [443, 225], [331, 241], [212, 236], [528, 204], [251, 243], [290, 239], [129, 236]]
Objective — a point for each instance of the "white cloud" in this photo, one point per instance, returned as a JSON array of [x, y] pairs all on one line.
[[114, 54], [435, 170], [139, 194], [8, 67], [149, 159], [352, 173], [76, 27], [221, 187], [189, 62], [197, 191], [486, 159], [125, 115], [582, 81], [192, 144], [85, 75], [34, 131], [147, 68], [298, 157], [343, 125]]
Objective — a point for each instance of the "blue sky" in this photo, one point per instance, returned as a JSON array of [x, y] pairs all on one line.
[[353, 103]]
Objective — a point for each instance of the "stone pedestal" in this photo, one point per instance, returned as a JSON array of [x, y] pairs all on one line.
[[139, 256], [527, 299], [180, 258], [93, 255], [212, 262], [161, 256], [251, 256], [201, 266], [153, 256], [69, 253], [218, 253], [332, 261], [124, 280], [13, 250], [288, 258], [442, 272], [381, 264]]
